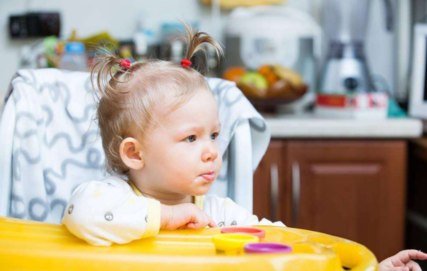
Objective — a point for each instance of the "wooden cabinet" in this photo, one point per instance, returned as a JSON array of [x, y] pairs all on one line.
[[270, 197], [416, 227], [348, 188]]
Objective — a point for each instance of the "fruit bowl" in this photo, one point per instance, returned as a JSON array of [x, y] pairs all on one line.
[[268, 87], [270, 103]]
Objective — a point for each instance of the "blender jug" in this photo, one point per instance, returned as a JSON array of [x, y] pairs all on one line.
[[346, 70]]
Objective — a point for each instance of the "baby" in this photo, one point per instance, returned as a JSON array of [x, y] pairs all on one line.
[[159, 128]]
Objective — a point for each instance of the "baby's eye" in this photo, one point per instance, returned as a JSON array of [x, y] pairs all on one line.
[[214, 136], [191, 138]]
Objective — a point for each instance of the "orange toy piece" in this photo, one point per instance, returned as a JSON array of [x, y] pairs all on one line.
[[28, 245]]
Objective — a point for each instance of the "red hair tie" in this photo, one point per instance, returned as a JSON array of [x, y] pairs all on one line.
[[125, 63], [185, 63]]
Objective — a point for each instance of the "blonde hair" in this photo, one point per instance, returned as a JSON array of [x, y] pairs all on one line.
[[128, 97]]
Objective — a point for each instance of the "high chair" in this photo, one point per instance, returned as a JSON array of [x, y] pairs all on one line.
[[51, 145]]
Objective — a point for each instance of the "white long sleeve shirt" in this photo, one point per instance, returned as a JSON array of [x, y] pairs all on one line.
[[114, 211]]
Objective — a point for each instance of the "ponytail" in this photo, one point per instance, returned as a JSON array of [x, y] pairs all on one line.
[[195, 39], [105, 73]]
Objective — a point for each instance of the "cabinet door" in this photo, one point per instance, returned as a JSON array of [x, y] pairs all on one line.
[[269, 195], [351, 189], [416, 231]]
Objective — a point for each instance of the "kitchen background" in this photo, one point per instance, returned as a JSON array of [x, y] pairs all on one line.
[[121, 21], [355, 170]]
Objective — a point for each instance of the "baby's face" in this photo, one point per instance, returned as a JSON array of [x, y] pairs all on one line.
[[182, 155]]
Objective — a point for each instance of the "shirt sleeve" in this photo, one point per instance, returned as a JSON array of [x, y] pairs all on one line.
[[108, 211], [225, 212]]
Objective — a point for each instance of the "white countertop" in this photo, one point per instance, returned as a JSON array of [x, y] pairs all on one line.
[[309, 126]]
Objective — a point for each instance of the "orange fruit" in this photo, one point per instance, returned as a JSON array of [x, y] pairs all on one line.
[[268, 73], [264, 70], [234, 73], [271, 78]]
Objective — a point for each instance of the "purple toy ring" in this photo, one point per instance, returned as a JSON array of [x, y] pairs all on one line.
[[267, 248]]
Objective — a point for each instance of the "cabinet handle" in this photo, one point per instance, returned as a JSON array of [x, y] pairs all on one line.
[[296, 186], [274, 173]]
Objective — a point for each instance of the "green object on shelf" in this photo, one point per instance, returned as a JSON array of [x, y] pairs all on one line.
[[50, 44], [395, 111]]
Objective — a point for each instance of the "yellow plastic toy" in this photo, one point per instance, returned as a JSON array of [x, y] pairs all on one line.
[[28, 245], [233, 244]]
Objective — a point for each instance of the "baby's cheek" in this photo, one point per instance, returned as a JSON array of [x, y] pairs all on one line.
[[218, 163], [180, 175]]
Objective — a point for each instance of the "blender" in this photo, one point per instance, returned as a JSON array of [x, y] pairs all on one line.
[[346, 86]]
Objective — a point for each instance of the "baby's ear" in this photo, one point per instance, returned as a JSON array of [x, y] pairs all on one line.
[[131, 153]]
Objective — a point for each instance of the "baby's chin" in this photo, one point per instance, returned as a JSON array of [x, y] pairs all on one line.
[[201, 190]]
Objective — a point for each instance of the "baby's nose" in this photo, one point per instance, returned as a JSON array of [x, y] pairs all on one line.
[[210, 154]]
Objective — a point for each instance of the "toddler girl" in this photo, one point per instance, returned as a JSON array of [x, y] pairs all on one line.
[[159, 127]]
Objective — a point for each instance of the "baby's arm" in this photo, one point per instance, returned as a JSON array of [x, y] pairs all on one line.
[[105, 212], [403, 261]]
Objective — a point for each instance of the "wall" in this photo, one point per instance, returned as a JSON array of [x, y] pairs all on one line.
[[90, 17]]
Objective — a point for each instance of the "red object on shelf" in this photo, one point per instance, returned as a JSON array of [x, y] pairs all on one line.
[[332, 100]]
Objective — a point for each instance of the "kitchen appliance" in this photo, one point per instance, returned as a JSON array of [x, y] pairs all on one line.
[[347, 88], [418, 95], [35, 25], [274, 35]]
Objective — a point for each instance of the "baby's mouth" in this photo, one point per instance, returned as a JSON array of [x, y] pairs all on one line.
[[209, 176]]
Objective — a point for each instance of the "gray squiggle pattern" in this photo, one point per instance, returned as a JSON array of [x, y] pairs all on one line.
[[87, 114], [16, 211], [56, 146], [21, 152], [49, 114], [90, 164], [35, 214], [67, 138], [30, 116]]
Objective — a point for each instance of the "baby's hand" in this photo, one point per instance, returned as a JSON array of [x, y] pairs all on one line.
[[186, 215], [402, 261]]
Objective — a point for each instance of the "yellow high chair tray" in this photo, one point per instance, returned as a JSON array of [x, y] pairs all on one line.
[[27, 245]]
